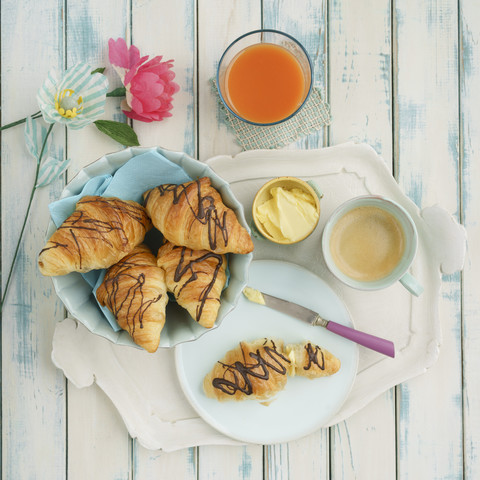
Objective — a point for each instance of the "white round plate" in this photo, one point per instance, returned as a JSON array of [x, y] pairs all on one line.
[[304, 405]]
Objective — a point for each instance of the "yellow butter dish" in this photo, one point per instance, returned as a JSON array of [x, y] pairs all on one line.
[[286, 210]]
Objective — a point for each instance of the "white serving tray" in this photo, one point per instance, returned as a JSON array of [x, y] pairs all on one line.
[[341, 172]]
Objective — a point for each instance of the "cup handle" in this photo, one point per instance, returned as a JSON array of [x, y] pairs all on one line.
[[411, 284]]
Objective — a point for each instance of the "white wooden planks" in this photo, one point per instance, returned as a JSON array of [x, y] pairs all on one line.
[[309, 26], [435, 140], [359, 68], [89, 25], [168, 29], [469, 48], [219, 23], [309, 456], [426, 131], [148, 464], [33, 391], [360, 93], [95, 429], [98, 444]]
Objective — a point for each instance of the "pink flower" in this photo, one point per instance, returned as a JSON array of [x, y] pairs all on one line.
[[149, 84]]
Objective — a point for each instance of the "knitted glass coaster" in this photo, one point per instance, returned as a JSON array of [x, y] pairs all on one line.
[[314, 115]]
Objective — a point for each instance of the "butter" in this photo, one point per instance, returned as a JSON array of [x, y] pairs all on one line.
[[289, 215], [291, 356], [254, 295]]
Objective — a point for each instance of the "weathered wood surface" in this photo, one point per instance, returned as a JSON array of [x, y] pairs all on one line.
[[427, 159], [402, 76]]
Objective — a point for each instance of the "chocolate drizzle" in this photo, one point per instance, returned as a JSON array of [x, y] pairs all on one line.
[[237, 376], [313, 357], [191, 267], [130, 302], [201, 206]]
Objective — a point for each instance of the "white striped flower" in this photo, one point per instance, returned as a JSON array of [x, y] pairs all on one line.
[[77, 100]]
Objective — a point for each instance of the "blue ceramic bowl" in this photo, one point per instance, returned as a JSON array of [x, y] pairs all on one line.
[[77, 295]]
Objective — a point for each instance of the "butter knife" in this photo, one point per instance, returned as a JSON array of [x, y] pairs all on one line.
[[381, 345]]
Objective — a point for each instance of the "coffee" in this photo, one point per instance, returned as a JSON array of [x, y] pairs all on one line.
[[367, 243]]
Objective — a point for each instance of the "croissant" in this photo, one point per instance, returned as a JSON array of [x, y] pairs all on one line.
[[196, 278], [311, 361], [98, 233], [134, 290], [251, 370], [193, 215], [259, 369]]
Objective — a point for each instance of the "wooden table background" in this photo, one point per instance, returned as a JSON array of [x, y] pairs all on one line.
[[402, 75]]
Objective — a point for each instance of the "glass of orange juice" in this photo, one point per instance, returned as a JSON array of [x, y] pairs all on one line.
[[264, 77]]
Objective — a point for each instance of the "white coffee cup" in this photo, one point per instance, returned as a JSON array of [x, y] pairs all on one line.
[[370, 242]]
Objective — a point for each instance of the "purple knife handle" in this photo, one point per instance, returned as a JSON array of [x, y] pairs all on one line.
[[370, 341]]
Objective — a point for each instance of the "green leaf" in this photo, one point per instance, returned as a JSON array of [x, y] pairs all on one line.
[[120, 132], [118, 92], [98, 70], [34, 137], [50, 170]]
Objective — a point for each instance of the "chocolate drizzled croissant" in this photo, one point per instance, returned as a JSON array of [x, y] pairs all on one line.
[[259, 369], [196, 278], [134, 290], [193, 215], [98, 233]]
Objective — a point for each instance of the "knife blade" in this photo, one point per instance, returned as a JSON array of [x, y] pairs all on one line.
[[381, 345]]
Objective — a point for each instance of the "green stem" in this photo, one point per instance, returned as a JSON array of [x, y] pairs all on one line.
[[32, 193], [19, 122]]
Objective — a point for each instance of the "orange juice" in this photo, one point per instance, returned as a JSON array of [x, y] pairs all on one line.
[[265, 83]]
